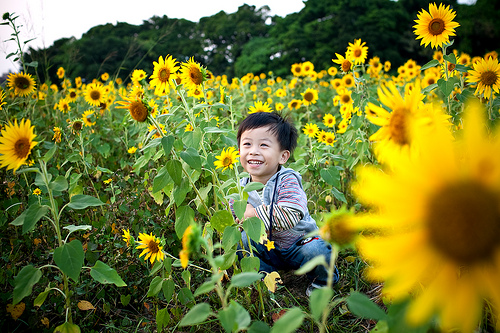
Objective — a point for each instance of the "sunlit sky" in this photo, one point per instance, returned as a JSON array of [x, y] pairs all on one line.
[[50, 20]]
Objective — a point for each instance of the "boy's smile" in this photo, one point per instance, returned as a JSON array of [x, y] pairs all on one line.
[[261, 153]]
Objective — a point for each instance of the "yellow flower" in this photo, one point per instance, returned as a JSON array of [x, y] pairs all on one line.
[[329, 120], [37, 191], [297, 70], [339, 227], [105, 77], [57, 134], [294, 104], [138, 75], [329, 139], [86, 118], [436, 26], [438, 216], [60, 72], [16, 142], [269, 245], [188, 128], [132, 150], [357, 51], [126, 236], [151, 247], [95, 94], [108, 181], [227, 158], [192, 75], [191, 240], [486, 74], [346, 63], [23, 84], [259, 107], [2, 99], [163, 74], [310, 96], [311, 130], [136, 107]]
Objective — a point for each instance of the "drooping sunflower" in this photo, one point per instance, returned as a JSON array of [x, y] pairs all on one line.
[[192, 74], [311, 130], [445, 202], [16, 142], [23, 84], [310, 96], [227, 158], [57, 134], [136, 107], [346, 63], [435, 26], [486, 74], [95, 94], [329, 120], [151, 247], [258, 106], [87, 118], [163, 74], [357, 51]]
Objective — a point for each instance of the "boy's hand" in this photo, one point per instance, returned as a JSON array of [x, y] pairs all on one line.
[[249, 211]]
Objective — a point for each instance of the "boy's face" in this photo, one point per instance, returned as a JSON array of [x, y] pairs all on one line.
[[261, 153]]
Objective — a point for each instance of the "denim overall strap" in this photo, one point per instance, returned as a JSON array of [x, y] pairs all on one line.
[[271, 208]]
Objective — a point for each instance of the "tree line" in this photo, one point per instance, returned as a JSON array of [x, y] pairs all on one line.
[[251, 40]]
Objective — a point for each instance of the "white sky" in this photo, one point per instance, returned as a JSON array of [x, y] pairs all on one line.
[[50, 20]]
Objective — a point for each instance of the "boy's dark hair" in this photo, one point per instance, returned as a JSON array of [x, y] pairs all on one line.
[[281, 127]]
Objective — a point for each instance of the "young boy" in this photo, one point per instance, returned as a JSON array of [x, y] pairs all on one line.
[[266, 141]]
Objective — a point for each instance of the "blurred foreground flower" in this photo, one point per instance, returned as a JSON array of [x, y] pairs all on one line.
[[16, 142], [438, 216], [191, 240], [151, 247]]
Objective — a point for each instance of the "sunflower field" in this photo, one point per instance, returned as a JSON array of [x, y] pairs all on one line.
[[115, 195]]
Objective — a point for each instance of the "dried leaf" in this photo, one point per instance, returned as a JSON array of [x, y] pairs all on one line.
[[45, 322], [17, 310], [85, 306], [276, 316], [271, 280]]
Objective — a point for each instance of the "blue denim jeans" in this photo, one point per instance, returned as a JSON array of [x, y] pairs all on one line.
[[295, 257]]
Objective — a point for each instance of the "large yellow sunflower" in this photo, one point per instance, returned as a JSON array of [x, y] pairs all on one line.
[[227, 158], [439, 220], [16, 142], [486, 74], [95, 94], [297, 69], [163, 74], [311, 130], [192, 74], [258, 106], [435, 26], [357, 51], [138, 110], [23, 84], [310, 96], [151, 247], [346, 63]]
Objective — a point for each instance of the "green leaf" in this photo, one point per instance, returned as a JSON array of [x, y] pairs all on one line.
[[184, 217], [104, 274], [234, 318], [447, 87], [429, 88], [319, 300], [231, 237], [362, 306], [59, 184], [41, 297], [338, 195], [198, 314], [161, 180], [430, 64], [24, 282], [250, 264], [34, 213], [331, 176], [179, 193], [167, 142], [125, 300], [192, 138], [48, 155], [155, 286], [20, 219], [192, 158], [69, 258], [221, 219], [174, 168], [67, 328], [240, 207], [162, 319], [81, 201], [253, 186], [72, 228], [451, 58], [205, 288], [258, 327], [168, 288], [289, 322], [253, 228], [227, 260], [311, 264], [245, 279]]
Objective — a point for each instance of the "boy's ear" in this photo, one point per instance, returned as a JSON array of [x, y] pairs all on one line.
[[285, 155]]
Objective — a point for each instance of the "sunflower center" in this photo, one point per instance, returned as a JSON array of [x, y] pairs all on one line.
[[357, 53], [22, 148], [348, 82], [464, 222], [153, 247], [451, 67], [196, 76], [164, 74], [95, 95], [138, 111], [346, 66], [21, 82], [488, 78], [431, 81], [226, 161], [72, 94], [436, 26], [397, 126], [308, 96], [345, 99]]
